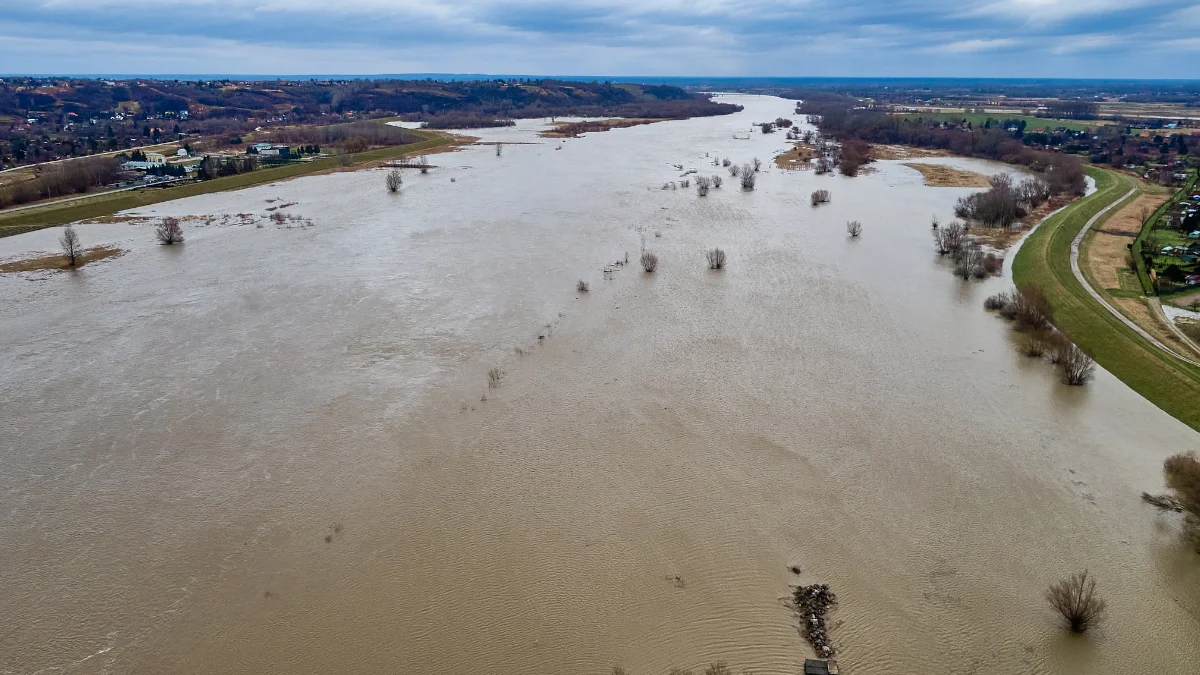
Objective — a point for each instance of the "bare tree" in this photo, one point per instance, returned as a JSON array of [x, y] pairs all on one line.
[[394, 180], [820, 197], [757, 163], [649, 261], [748, 177], [854, 228], [424, 164], [1078, 368], [967, 259], [71, 247], [499, 149], [935, 222], [716, 259], [168, 231], [950, 238], [1033, 309], [1076, 600], [823, 165]]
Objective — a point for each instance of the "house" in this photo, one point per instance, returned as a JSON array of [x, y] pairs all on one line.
[[181, 153], [259, 147], [155, 158]]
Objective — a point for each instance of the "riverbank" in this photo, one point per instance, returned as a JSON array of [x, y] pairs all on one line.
[[109, 203], [940, 175], [1045, 260], [573, 129]]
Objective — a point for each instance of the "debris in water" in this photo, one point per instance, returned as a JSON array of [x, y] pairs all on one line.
[[812, 604], [1164, 502]]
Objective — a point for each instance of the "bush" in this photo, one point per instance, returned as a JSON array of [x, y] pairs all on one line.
[[1182, 474], [757, 164], [748, 177], [1033, 308], [1076, 600], [1078, 368], [734, 170], [582, 286], [997, 301], [854, 228], [820, 197], [968, 259], [716, 181], [494, 377], [949, 239], [649, 261], [716, 259], [169, 232], [993, 264], [394, 180]]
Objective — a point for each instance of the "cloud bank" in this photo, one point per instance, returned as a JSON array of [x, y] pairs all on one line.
[[1007, 38]]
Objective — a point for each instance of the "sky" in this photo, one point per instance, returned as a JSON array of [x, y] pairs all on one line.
[[733, 38]]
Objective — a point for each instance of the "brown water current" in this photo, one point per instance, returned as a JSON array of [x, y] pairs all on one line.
[[267, 451]]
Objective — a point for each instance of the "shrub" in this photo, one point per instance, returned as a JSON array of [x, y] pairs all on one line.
[[820, 197], [1076, 600], [494, 377], [993, 264], [756, 163], [968, 258], [168, 231], [1033, 308], [1036, 345], [997, 301], [582, 286], [716, 259], [748, 177], [726, 162], [854, 228], [950, 239], [394, 180], [1078, 368], [1182, 474], [649, 261], [716, 181], [734, 170]]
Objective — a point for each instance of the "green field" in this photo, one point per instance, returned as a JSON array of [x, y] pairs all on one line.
[[1031, 123], [1045, 260], [107, 204]]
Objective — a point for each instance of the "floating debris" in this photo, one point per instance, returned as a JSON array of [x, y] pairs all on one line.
[[1164, 502], [812, 604]]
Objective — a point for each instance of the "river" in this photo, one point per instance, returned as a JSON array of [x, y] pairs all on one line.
[[275, 449]]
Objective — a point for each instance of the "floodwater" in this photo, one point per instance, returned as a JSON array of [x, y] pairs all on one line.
[[269, 450]]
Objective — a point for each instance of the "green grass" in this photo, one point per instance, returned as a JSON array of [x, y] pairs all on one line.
[[108, 204], [1031, 123], [1045, 260]]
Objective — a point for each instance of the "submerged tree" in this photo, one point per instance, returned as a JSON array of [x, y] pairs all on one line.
[[854, 228], [394, 180], [649, 261], [716, 259], [748, 177], [1076, 600], [169, 232]]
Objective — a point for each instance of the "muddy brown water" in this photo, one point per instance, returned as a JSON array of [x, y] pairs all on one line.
[[184, 428]]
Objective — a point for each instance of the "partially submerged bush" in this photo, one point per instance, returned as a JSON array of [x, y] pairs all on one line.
[[168, 231], [716, 181], [394, 180], [582, 286], [649, 261], [950, 238], [1033, 308], [997, 301], [716, 259], [968, 258], [820, 197], [734, 170], [494, 377], [1077, 367], [854, 228], [1075, 598], [748, 177]]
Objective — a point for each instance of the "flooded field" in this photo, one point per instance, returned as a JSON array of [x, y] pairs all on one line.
[[275, 449]]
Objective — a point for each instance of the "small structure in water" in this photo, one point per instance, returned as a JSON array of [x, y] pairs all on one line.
[[820, 667]]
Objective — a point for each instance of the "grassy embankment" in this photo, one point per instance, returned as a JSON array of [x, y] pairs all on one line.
[[108, 204], [1045, 260]]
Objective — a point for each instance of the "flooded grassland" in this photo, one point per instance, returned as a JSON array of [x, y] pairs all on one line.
[[275, 449]]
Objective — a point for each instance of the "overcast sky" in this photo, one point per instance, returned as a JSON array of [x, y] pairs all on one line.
[[880, 38]]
